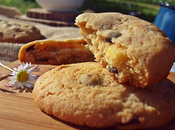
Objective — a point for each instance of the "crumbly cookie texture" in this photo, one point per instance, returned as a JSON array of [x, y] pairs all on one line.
[[132, 49], [18, 32], [56, 52], [87, 94]]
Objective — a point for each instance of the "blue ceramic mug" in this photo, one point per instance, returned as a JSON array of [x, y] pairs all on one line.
[[165, 20]]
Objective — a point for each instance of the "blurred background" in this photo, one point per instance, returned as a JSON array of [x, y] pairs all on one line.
[[144, 9]]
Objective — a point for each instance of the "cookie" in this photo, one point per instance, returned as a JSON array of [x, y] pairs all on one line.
[[87, 94], [56, 52], [132, 49], [18, 32]]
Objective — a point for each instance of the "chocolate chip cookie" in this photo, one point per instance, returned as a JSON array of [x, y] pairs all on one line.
[[56, 52], [18, 32], [87, 94], [132, 49]]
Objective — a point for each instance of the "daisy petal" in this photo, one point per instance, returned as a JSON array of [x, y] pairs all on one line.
[[33, 69], [11, 82], [15, 84], [20, 67], [13, 73], [33, 78], [11, 78], [7, 85], [27, 66], [15, 69], [28, 84], [10, 73], [21, 86]]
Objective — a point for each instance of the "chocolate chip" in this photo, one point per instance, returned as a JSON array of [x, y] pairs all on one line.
[[30, 48], [152, 27], [112, 69], [109, 34], [1, 34], [147, 26], [108, 40], [17, 25], [90, 80], [115, 34], [134, 121]]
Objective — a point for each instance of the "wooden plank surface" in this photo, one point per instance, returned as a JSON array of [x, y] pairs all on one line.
[[45, 21], [18, 110], [40, 13]]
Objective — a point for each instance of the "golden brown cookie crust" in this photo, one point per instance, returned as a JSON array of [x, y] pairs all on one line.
[[87, 94], [132, 49], [18, 32], [56, 52]]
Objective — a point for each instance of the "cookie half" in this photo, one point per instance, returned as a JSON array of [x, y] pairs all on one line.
[[18, 32], [87, 94], [56, 52], [132, 49]]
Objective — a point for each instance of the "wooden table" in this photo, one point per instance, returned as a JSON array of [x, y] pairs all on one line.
[[43, 16], [18, 110]]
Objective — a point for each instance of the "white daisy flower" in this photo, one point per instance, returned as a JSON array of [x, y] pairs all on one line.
[[21, 76]]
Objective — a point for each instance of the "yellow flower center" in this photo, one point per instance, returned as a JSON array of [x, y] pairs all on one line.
[[22, 76]]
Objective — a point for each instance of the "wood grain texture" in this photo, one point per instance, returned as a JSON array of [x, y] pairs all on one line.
[[49, 18], [18, 110], [47, 22], [40, 13]]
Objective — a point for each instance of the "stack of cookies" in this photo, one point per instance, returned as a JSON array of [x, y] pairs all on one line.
[[126, 87]]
